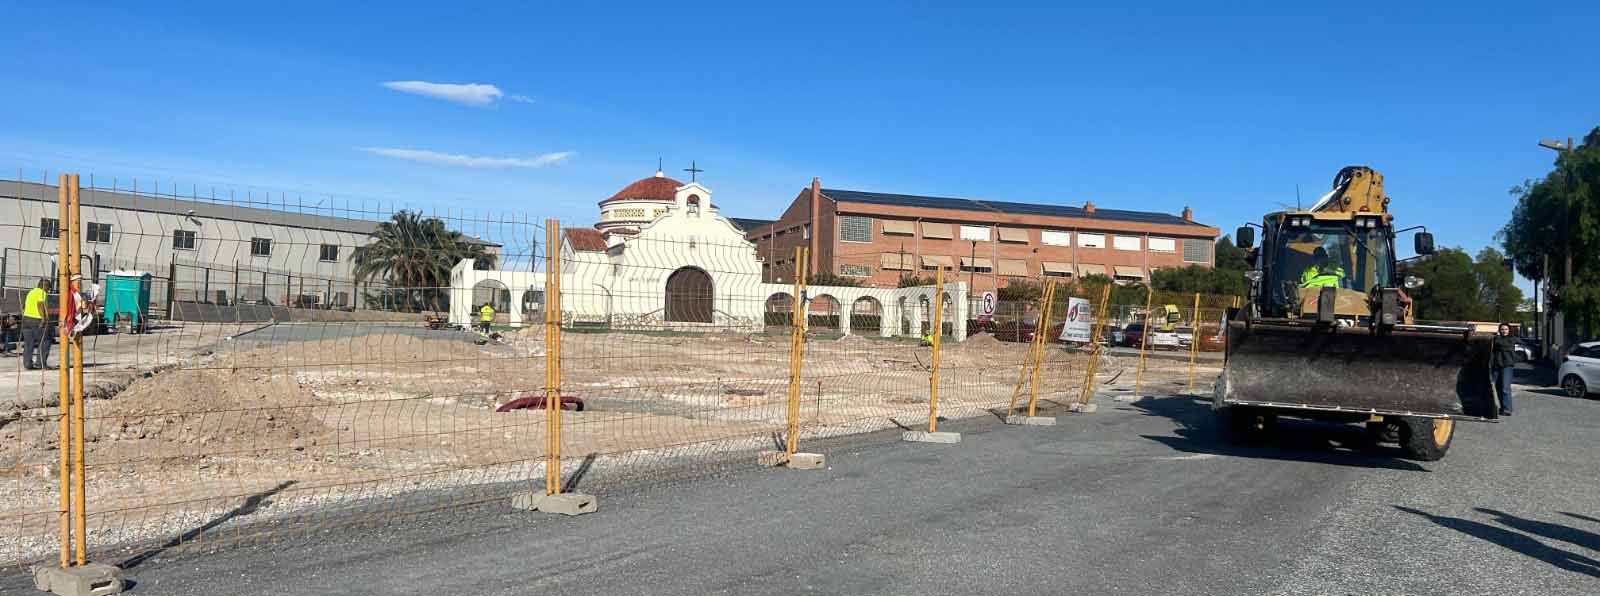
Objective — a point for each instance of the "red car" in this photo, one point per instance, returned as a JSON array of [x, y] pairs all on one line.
[[1212, 339], [1019, 332], [1133, 335]]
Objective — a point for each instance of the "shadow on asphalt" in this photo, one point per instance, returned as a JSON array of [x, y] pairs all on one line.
[[1295, 440], [248, 507], [1525, 543]]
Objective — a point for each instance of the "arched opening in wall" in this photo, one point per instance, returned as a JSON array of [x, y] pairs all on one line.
[[779, 310], [823, 313], [492, 293], [948, 316], [866, 314], [533, 307], [905, 316], [694, 205], [924, 310], [689, 296]]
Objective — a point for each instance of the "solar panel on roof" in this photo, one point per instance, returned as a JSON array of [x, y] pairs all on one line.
[[1046, 209]]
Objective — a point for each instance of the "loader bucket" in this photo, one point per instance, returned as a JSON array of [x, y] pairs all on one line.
[[1412, 371]]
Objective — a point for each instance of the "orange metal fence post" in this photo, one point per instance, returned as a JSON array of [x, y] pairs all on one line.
[[1087, 392], [68, 320], [938, 332], [552, 358], [1041, 339], [64, 395], [1030, 360], [1144, 340], [1194, 341], [797, 343]]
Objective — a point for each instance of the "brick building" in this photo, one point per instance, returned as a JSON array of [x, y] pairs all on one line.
[[880, 237]]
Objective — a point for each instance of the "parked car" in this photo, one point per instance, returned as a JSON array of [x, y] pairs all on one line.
[[1529, 347], [1019, 331], [1212, 338], [1164, 340], [1523, 353], [1132, 335], [1580, 374], [1185, 336], [1111, 335]]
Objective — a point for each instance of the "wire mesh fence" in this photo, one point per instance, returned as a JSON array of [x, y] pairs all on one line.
[[281, 369]]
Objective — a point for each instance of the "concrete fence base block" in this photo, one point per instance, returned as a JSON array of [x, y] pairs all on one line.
[[563, 503], [1031, 420], [1084, 408], [93, 579], [798, 461], [922, 436], [1127, 398]]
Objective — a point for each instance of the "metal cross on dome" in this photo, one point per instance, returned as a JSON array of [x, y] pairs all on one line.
[[694, 171]]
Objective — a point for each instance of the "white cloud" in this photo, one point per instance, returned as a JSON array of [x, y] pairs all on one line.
[[470, 94], [472, 161], [520, 99]]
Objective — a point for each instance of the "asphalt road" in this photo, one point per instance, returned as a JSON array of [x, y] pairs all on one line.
[[1138, 498]]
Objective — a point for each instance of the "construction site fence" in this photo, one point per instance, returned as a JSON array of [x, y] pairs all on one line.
[[222, 424]]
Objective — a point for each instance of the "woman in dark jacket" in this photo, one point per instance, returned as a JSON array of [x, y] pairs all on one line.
[[1502, 361]]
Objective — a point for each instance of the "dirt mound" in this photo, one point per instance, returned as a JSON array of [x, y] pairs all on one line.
[[221, 409], [981, 341]]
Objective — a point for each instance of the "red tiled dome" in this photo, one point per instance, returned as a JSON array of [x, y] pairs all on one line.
[[660, 188]]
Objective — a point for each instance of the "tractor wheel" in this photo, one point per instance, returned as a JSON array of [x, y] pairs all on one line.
[[1426, 439], [1248, 426]]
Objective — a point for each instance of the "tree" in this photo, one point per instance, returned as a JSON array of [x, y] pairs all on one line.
[[1451, 291], [1225, 278], [1229, 257], [1554, 214], [829, 279], [1497, 289], [414, 255], [911, 280]]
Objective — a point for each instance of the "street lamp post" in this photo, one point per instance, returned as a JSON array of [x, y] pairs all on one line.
[[1566, 241]]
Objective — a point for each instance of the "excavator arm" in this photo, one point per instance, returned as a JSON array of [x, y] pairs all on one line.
[[1356, 189]]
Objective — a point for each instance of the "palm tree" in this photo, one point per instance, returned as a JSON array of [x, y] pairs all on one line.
[[414, 254]]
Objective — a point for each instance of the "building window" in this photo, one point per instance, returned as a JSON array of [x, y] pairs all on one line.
[[1055, 238], [855, 228], [49, 227], [855, 271], [99, 232], [1125, 242], [978, 265], [1092, 240], [183, 239], [893, 227], [1196, 250], [330, 253], [260, 247], [1163, 245], [976, 233]]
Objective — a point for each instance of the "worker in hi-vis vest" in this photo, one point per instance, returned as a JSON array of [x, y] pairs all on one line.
[[485, 316], [1322, 273], [35, 335]]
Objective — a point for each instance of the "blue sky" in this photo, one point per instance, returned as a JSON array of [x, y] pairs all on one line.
[[1150, 107]]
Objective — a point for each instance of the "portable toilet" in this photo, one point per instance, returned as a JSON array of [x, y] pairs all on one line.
[[126, 299]]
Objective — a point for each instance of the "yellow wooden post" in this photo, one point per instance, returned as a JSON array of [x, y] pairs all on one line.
[[1041, 338], [938, 333], [1030, 359], [797, 343], [64, 399], [1144, 341], [1194, 341]]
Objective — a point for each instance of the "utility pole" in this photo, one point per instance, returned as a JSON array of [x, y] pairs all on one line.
[[1560, 326]]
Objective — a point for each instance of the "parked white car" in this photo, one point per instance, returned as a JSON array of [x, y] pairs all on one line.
[[1580, 374], [1165, 340]]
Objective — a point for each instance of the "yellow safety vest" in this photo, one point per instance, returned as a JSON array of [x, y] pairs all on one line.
[[1313, 278], [486, 313], [33, 305]]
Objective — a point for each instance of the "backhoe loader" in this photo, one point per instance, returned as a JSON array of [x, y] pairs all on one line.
[[1328, 331]]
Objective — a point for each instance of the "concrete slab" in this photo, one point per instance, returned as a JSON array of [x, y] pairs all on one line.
[[922, 436], [93, 579], [807, 461], [563, 503], [1083, 408], [1031, 420]]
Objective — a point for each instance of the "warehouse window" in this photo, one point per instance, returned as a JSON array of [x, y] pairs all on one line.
[[49, 227], [330, 253], [1196, 250], [1125, 242], [260, 247], [855, 271], [1092, 240], [1163, 245], [1055, 238], [99, 232], [855, 228], [183, 239]]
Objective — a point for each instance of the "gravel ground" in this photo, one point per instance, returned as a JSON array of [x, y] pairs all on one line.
[[1135, 499]]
